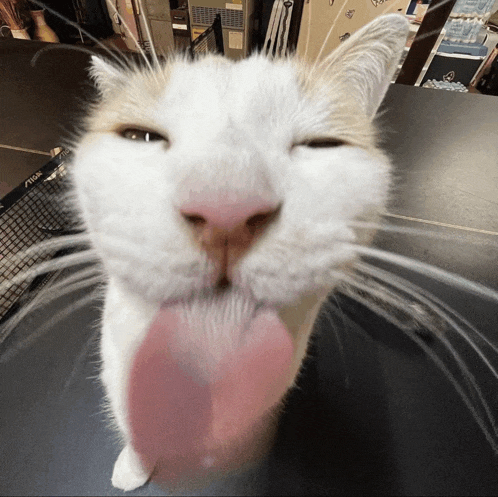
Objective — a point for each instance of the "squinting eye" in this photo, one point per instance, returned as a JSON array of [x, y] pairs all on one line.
[[322, 143], [141, 135]]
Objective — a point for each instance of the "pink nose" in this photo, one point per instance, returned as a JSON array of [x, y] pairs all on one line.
[[229, 223]]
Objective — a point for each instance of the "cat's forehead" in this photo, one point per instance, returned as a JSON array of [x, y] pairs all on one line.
[[268, 99], [216, 89], [255, 77], [255, 95]]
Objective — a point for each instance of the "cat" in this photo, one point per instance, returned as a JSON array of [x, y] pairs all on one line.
[[224, 201], [219, 197]]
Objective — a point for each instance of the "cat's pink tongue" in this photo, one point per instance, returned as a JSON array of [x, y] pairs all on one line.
[[194, 411]]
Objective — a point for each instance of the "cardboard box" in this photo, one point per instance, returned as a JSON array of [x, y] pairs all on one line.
[[344, 16]]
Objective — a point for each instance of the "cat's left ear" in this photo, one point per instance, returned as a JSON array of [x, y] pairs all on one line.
[[106, 76], [365, 63]]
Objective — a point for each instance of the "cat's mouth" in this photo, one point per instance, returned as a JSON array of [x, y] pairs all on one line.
[[210, 369], [213, 325]]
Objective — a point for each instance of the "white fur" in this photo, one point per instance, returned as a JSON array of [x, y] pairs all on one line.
[[231, 126]]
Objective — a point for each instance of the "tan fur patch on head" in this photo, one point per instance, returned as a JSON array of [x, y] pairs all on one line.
[[131, 101], [347, 121]]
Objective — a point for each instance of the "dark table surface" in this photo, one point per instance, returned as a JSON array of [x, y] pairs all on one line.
[[374, 414]]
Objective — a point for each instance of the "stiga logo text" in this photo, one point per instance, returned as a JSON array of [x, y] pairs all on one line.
[[32, 179]]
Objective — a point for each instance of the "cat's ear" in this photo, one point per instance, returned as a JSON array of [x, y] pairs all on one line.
[[106, 75], [365, 63]]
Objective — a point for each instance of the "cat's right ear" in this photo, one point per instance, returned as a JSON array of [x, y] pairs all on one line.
[[364, 64], [105, 75]]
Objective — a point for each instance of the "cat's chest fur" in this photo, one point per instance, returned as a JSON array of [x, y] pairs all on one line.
[[221, 199]]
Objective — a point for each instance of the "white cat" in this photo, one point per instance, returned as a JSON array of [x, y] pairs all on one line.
[[219, 196]]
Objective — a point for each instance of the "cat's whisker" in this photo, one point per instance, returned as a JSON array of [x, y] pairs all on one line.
[[468, 376], [131, 35], [82, 302], [317, 62], [433, 7], [406, 230], [438, 223], [397, 304], [426, 270], [444, 311], [52, 244], [49, 266], [60, 46], [91, 342], [432, 302], [96, 361], [327, 313], [120, 60], [50, 294], [463, 395], [64, 286], [149, 36], [309, 32], [426, 35], [93, 377]]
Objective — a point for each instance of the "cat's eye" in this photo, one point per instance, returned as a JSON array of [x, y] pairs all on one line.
[[141, 135], [322, 143]]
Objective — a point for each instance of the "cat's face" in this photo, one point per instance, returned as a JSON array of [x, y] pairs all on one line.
[[221, 198], [301, 138]]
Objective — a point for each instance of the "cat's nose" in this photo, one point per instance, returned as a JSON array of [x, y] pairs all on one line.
[[229, 224]]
